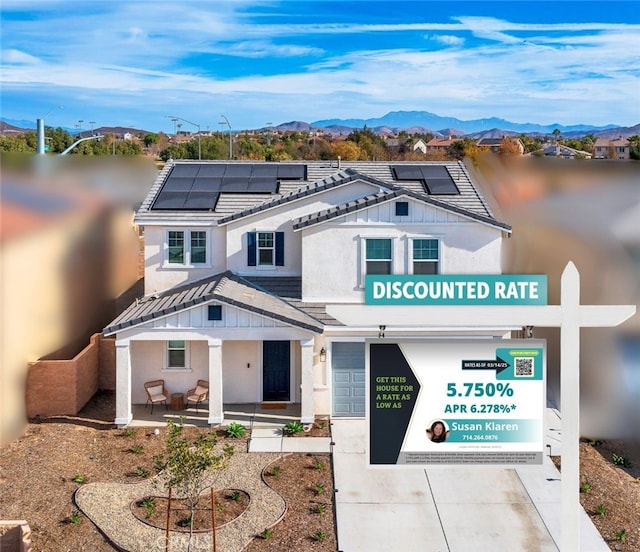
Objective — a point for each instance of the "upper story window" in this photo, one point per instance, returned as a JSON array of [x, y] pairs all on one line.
[[425, 256], [187, 247], [378, 256], [265, 248], [176, 247]]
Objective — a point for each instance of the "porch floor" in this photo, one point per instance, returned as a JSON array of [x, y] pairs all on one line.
[[250, 415]]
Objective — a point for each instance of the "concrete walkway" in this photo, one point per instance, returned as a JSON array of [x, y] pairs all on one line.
[[450, 509]]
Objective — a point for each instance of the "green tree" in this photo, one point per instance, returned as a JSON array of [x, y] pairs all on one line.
[[150, 139], [465, 147], [634, 146], [187, 466]]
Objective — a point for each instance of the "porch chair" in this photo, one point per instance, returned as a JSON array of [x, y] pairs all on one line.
[[156, 393], [198, 394]]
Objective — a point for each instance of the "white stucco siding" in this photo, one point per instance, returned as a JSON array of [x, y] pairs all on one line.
[[279, 219], [160, 275], [333, 252], [149, 361], [232, 317], [240, 371]]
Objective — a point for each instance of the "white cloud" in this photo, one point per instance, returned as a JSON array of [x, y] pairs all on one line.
[[17, 56], [448, 40]]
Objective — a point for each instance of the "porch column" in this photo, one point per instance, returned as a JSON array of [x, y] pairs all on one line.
[[306, 383], [216, 415], [123, 383]]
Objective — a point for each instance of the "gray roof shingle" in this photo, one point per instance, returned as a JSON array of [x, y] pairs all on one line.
[[227, 288], [321, 175]]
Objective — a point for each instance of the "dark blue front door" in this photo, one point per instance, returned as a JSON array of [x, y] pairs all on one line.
[[276, 357]]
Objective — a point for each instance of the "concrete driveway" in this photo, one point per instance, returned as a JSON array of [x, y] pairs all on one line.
[[445, 510]]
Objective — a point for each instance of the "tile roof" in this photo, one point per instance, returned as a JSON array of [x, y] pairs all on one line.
[[321, 175], [381, 197], [227, 288]]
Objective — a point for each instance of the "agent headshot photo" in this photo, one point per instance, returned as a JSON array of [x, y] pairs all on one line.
[[438, 432]]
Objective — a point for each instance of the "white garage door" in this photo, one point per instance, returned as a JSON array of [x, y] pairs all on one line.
[[347, 367]]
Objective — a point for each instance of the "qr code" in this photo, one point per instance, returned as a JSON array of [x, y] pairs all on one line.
[[524, 367]]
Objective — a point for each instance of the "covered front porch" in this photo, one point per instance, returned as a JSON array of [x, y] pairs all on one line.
[[250, 415]]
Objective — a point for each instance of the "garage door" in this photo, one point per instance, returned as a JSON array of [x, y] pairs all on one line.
[[347, 368]]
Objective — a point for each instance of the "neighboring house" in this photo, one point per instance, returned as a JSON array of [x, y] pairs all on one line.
[[440, 144], [619, 149], [558, 150], [243, 258], [494, 144], [419, 146]]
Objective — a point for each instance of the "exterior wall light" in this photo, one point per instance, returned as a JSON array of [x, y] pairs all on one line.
[[323, 355]]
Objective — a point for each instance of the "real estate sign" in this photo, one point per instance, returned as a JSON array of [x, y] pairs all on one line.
[[455, 401], [456, 289]]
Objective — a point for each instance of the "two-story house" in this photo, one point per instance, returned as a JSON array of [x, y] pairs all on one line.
[[619, 149], [243, 260]]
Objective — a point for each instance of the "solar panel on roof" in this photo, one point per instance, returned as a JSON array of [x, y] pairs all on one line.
[[263, 185], [238, 171], [178, 184], [185, 169], [435, 178], [264, 170], [212, 169], [201, 201], [434, 171], [207, 184], [234, 184], [292, 172], [407, 172], [169, 200], [441, 186]]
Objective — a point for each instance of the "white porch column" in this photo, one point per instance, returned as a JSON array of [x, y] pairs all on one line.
[[306, 382], [216, 414], [123, 383]]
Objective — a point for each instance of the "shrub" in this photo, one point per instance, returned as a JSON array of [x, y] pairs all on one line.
[[128, 432], [319, 465], [275, 471], [319, 488], [602, 509], [236, 430], [149, 504], [142, 472], [79, 478], [319, 508], [292, 428], [235, 495], [136, 449], [319, 535], [585, 488], [621, 535], [266, 534], [619, 460], [74, 518]]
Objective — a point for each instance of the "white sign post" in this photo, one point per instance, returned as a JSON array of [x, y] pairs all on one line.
[[569, 316]]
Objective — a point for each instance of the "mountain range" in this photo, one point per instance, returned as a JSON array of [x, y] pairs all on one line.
[[414, 122]]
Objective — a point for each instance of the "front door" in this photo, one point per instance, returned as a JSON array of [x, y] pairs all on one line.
[[276, 359]]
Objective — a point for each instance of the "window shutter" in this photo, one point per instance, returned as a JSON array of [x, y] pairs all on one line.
[[279, 248], [251, 248]]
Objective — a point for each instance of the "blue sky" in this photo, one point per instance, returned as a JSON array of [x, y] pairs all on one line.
[[133, 63]]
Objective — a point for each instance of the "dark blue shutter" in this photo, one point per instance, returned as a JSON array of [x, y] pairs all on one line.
[[279, 248], [251, 248]]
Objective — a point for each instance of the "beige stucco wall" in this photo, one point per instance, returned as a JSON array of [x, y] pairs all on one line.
[[160, 275], [279, 219], [148, 361], [241, 369], [466, 247]]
